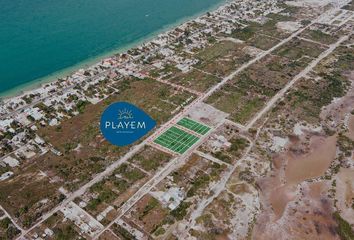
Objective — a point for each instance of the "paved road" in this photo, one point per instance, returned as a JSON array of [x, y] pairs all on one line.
[[8, 215], [168, 169], [140, 146], [159, 176], [216, 190], [302, 74]]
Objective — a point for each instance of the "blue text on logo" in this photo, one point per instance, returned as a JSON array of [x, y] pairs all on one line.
[[123, 123]]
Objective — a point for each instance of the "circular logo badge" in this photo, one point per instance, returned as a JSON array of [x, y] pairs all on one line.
[[123, 123]]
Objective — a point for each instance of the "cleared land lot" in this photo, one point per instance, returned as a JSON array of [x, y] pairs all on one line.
[[112, 191], [349, 6], [196, 80], [85, 152], [150, 159], [62, 228], [248, 92], [222, 58], [29, 195], [323, 33], [193, 179], [263, 35], [194, 126], [230, 148], [176, 140]]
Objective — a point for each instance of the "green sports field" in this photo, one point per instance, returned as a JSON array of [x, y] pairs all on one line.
[[194, 126], [176, 140]]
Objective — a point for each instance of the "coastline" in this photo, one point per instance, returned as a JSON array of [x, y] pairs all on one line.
[[39, 82]]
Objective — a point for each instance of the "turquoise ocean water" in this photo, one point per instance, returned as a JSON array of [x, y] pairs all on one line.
[[39, 38]]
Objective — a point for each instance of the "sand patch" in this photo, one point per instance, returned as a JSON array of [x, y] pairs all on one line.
[[288, 26], [340, 107], [345, 193], [351, 127], [311, 3], [280, 197], [313, 164], [308, 216]]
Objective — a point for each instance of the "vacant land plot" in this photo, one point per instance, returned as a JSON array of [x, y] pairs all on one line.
[[225, 144], [349, 6], [322, 33], [153, 213], [150, 159], [148, 213], [176, 140], [196, 80], [247, 93], [330, 81], [301, 51], [222, 58], [27, 196], [194, 126], [113, 190], [85, 152], [62, 229], [257, 30], [7, 228], [165, 72], [262, 41], [119, 233]]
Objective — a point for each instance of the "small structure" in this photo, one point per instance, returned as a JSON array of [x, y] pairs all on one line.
[[12, 162], [173, 197]]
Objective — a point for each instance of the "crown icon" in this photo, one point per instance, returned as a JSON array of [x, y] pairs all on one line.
[[125, 114]]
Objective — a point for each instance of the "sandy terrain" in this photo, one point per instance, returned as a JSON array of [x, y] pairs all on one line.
[[345, 193], [339, 107], [307, 217], [314, 163], [288, 26], [351, 127], [301, 3]]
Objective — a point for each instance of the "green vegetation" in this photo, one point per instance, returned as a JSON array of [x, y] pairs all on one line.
[[222, 156], [120, 184], [4, 223], [263, 42], [244, 33], [150, 206], [238, 145], [200, 182], [319, 36], [122, 232], [150, 159], [344, 229], [246, 175], [81, 105], [306, 103], [195, 79], [221, 59], [105, 196], [247, 93], [159, 231], [130, 173], [65, 233], [181, 211], [346, 145], [269, 28], [298, 49]]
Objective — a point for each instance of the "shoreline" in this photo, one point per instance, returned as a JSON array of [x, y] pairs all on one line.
[[39, 82]]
